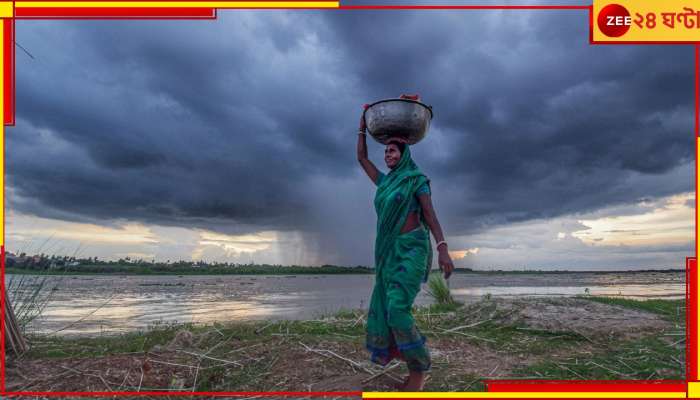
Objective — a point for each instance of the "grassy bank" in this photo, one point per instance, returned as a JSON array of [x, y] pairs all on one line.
[[651, 355], [491, 339]]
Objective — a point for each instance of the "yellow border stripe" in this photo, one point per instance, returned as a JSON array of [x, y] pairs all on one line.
[[526, 395], [177, 4]]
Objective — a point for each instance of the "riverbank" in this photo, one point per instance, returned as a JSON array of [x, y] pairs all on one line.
[[534, 338], [284, 270]]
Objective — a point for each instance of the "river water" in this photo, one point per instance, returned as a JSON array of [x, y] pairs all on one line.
[[94, 305]]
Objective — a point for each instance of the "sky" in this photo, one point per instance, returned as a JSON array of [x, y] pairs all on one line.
[[234, 139]]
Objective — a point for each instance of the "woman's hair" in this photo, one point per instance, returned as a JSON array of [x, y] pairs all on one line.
[[401, 146]]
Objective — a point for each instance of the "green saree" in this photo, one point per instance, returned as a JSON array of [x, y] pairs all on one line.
[[402, 262]]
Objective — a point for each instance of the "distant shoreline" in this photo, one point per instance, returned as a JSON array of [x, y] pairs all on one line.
[[333, 270], [137, 270]]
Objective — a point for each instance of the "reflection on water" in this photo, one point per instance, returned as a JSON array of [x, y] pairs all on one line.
[[113, 304]]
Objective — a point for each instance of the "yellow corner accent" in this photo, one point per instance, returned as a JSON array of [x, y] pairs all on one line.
[[694, 390], [525, 395], [6, 9], [179, 4]]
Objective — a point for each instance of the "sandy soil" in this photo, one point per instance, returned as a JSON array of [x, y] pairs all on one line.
[[562, 314]]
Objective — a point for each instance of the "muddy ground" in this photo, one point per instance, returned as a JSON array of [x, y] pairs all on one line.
[[553, 338]]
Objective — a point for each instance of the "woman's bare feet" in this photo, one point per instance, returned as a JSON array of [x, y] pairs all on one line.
[[414, 382]]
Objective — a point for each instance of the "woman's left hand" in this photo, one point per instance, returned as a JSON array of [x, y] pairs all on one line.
[[445, 262]]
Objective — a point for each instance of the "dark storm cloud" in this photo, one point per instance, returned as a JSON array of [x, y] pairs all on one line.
[[201, 127], [213, 123], [539, 123]]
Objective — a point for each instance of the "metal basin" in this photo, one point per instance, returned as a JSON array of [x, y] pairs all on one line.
[[404, 118]]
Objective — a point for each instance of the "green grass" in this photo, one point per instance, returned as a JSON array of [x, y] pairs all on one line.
[[487, 325], [343, 326], [673, 310], [647, 358], [59, 346], [650, 357]]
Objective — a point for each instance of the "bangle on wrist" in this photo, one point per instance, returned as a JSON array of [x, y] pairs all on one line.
[[441, 242]]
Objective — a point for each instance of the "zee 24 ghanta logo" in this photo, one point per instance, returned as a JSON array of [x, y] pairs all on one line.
[[615, 20]]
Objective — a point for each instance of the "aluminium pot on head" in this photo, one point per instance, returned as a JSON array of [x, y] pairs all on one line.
[[409, 119]]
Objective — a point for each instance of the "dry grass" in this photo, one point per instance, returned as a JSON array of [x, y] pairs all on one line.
[[486, 340]]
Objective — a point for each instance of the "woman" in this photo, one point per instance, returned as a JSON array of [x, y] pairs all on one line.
[[403, 257]]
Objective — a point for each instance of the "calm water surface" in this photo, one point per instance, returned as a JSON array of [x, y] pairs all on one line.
[[92, 305]]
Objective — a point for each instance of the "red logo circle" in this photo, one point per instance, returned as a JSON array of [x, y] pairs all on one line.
[[614, 20]]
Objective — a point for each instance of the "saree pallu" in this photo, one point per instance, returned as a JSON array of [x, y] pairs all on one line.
[[402, 262]]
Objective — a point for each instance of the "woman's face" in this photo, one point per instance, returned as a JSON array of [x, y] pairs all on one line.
[[392, 155]]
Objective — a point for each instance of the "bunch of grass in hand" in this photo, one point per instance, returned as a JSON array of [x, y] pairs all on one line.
[[438, 289]]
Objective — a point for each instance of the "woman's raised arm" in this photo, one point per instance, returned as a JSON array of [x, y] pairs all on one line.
[[366, 164]]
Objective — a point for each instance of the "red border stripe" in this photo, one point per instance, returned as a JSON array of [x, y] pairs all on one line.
[[9, 71], [114, 12], [2, 313], [590, 24], [691, 319], [165, 393]]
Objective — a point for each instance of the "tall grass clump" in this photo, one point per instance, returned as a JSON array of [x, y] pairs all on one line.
[[29, 296], [439, 291]]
